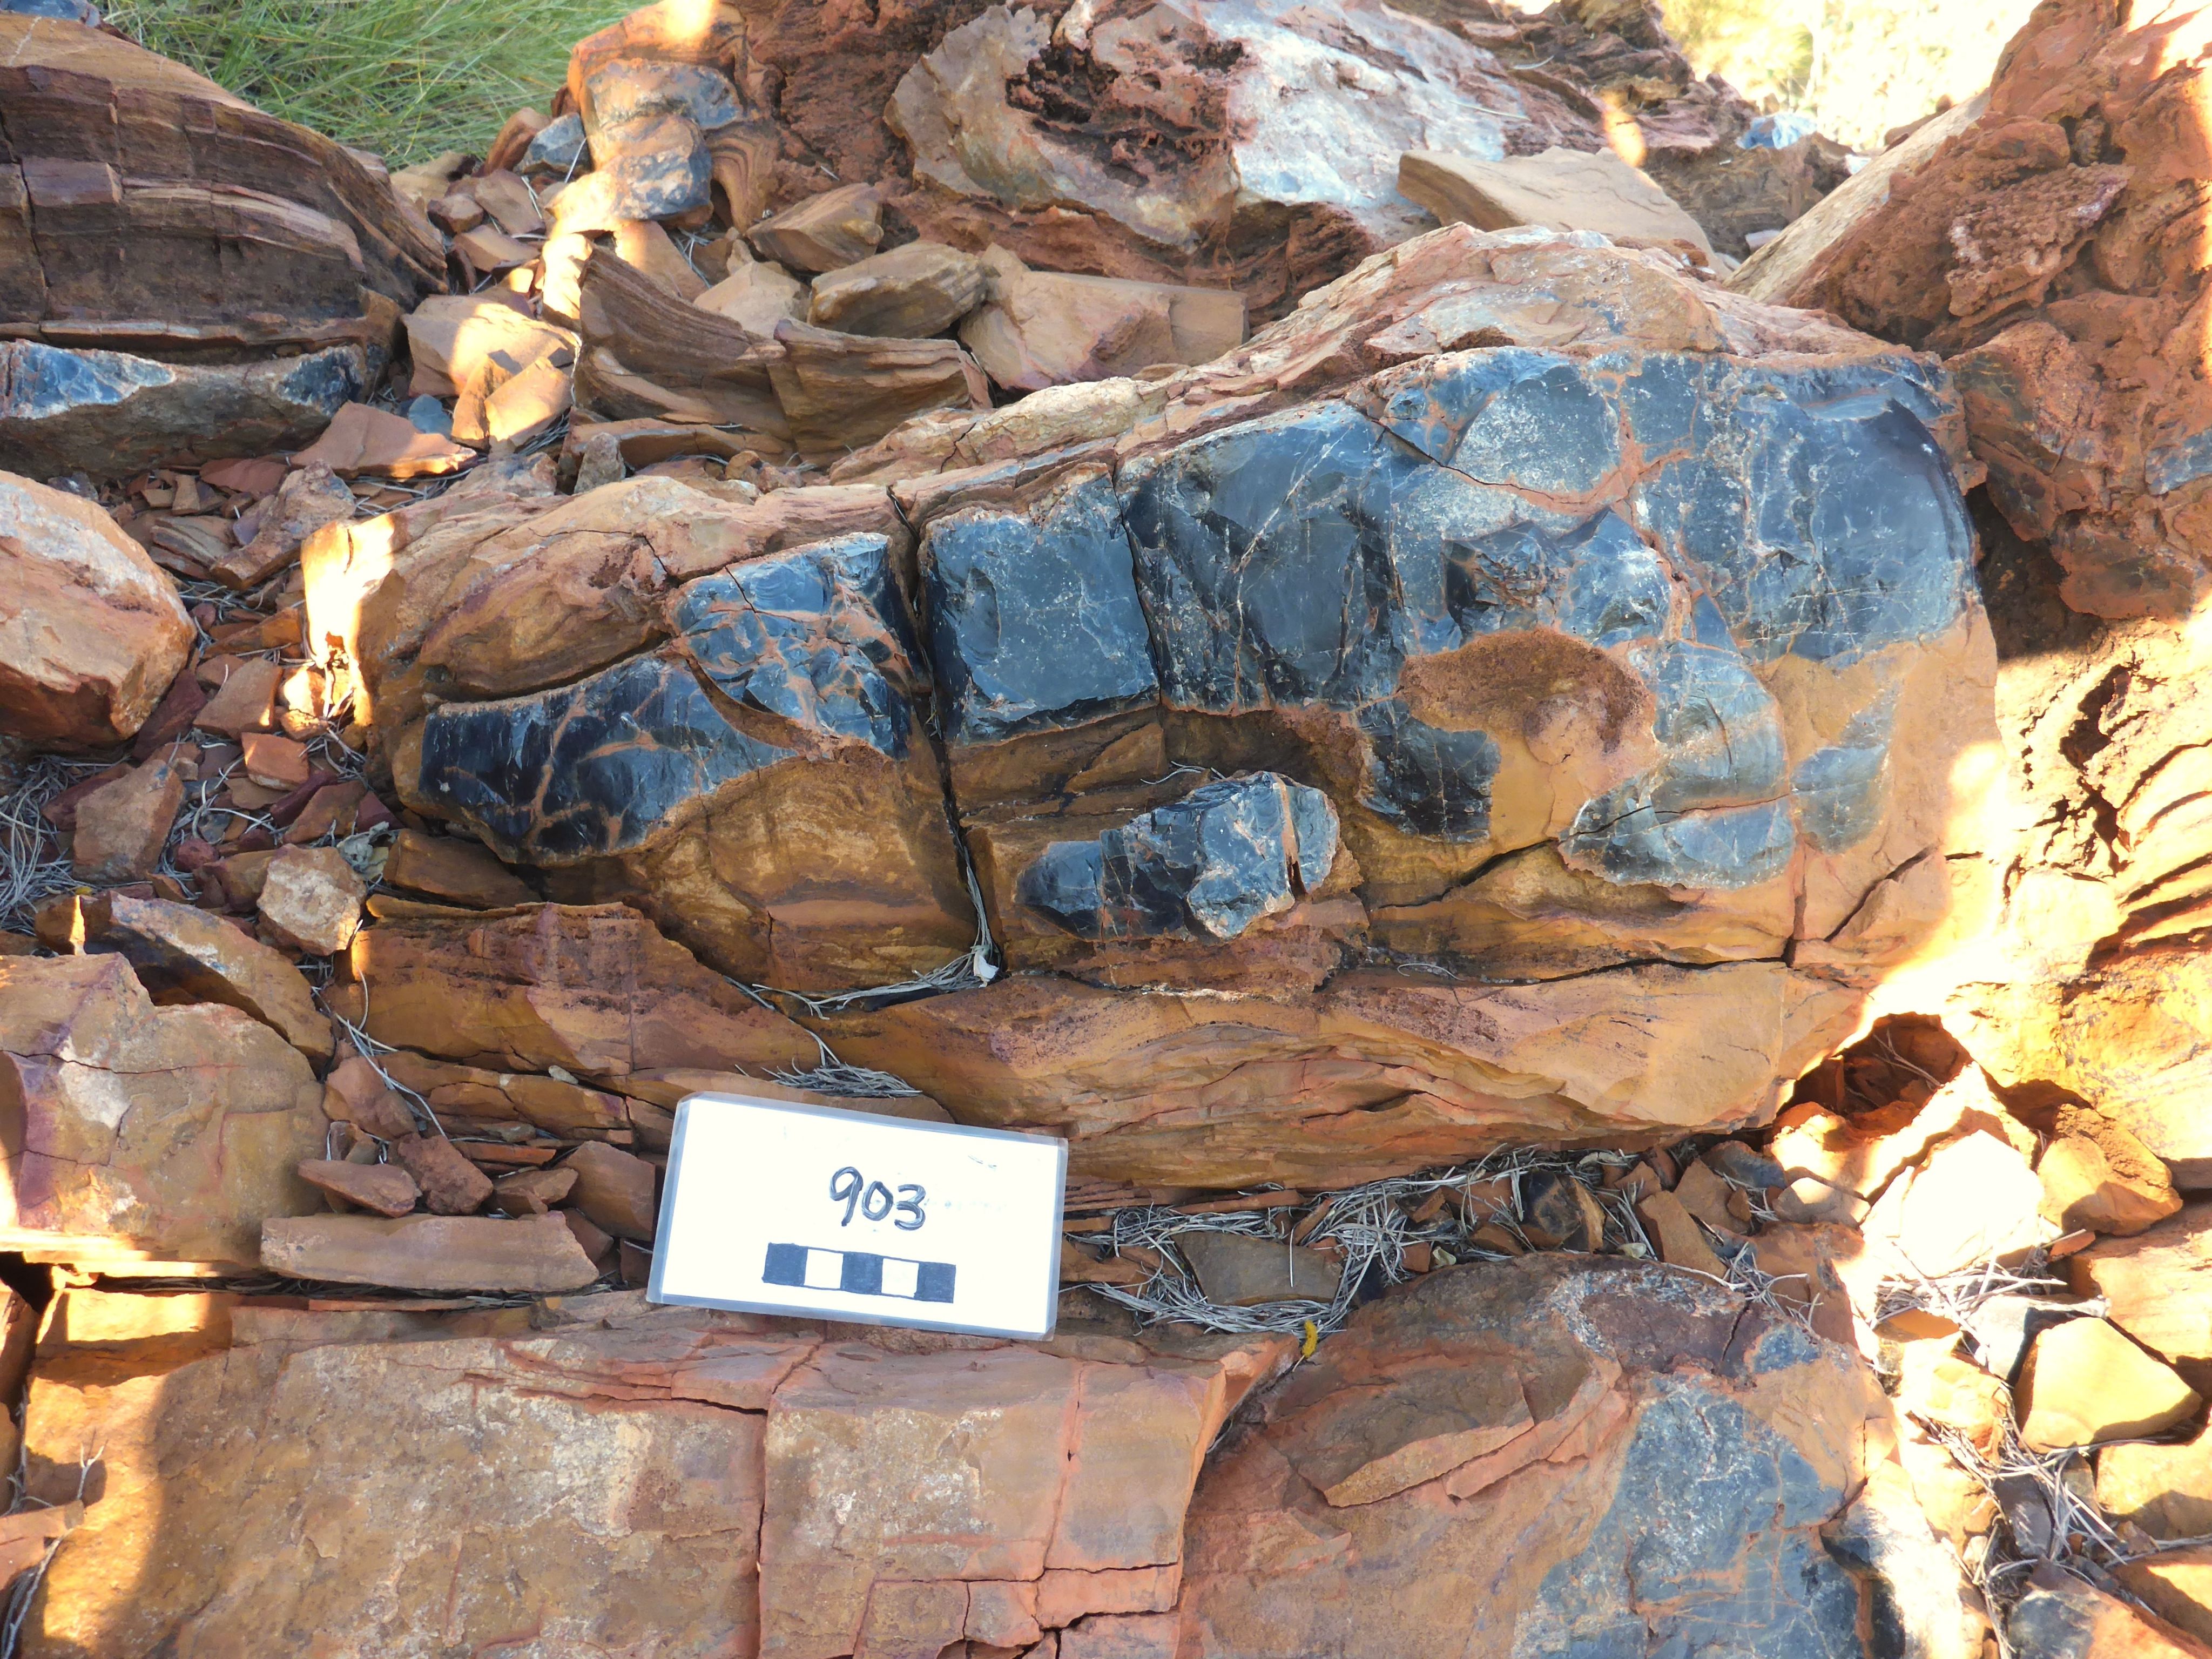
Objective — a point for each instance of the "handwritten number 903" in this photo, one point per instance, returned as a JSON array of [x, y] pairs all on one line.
[[873, 1201]]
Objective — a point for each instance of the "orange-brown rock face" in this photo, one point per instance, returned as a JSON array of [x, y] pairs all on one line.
[[2051, 247], [203, 280], [629, 1481]]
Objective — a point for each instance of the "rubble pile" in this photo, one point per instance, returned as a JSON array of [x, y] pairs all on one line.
[[1593, 844]]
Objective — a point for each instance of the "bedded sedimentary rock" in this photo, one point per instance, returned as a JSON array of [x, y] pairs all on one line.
[[593, 990], [181, 275]]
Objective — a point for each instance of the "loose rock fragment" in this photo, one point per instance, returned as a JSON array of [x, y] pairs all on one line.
[[122, 826], [838, 227], [386, 1188], [616, 1190], [535, 1255], [918, 289], [310, 900], [2086, 1382], [451, 1185], [1564, 189]]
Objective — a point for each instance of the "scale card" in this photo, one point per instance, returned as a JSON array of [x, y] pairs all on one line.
[[775, 1207]]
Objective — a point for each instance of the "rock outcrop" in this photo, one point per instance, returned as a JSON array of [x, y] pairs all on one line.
[[1578, 650], [1545, 1457], [639, 1479], [181, 275]]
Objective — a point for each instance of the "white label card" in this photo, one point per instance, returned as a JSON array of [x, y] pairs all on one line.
[[774, 1207]]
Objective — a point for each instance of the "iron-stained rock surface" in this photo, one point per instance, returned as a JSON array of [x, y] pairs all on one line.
[[1493, 648]]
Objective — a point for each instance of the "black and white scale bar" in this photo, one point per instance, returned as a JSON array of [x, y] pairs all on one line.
[[858, 1272]]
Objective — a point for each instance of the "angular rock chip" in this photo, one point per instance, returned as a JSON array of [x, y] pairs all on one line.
[[1565, 188], [910, 293], [122, 826], [386, 1188], [1046, 328], [838, 227], [1239, 1271], [841, 391], [91, 631], [451, 1185], [365, 440], [310, 900], [454, 871], [616, 1189]]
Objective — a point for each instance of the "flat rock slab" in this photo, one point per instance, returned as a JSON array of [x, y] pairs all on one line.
[[1241, 1272], [533, 1254], [1562, 189]]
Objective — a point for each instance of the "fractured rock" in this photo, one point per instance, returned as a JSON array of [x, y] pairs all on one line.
[[2053, 271], [144, 1133], [1576, 1416], [1224, 108], [2177, 1586], [642, 352], [91, 631], [182, 953], [2167, 1490], [2060, 1617], [767, 794], [114, 413], [450, 1184], [2157, 1284], [841, 391], [535, 1255], [304, 502]]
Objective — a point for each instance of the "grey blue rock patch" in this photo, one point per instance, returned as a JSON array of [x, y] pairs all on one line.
[[1207, 866]]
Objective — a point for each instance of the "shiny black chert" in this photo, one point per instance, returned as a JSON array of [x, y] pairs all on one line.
[[1206, 867], [1034, 622], [818, 635], [588, 768]]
